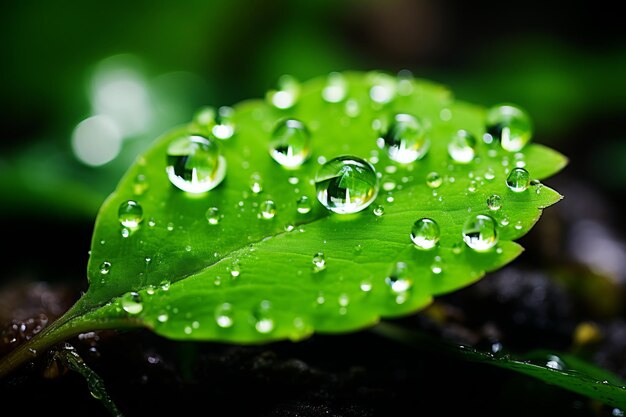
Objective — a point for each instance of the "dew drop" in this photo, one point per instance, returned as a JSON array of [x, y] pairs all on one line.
[[213, 215], [365, 285], [125, 232], [405, 140], [130, 214], [399, 280], [457, 248], [518, 226], [170, 226], [224, 315], [319, 262], [287, 94], [256, 183], [224, 127], [518, 180], [290, 144], [379, 210], [165, 285], [264, 321], [489, 174], [151, 223], [494, 202], [293, 180], [194, 164], [131, 303], [235, 269], [267, 210], [479, 233], [346, 184], [105, 267], [303, 205], [352, 108], [425, 233], [437, 266], [383, 88], [163, 317], [434, 180], [336, 88], [509, 125], [462, 147], [140, 185]]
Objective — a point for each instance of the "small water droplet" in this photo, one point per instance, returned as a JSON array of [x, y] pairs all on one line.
[[366, 285], [140, 185], [204, 119], [509, 125], [187, 329], [383, 88], [224, 127], [151, 223], [346, 184], [472, 186], [434, 180], [303, 205], [437, 266], [194, 164], [518, 226], [518, 180], [163, 317], [125, 232], [399, 280], [319, 262], [165, 285], [213, 215], [504, 221], [131, 303], [462, 147], [494, 202], [290, 144], [405, 140], [235, 269], [479, 233], [130, 214], [287, 94], [425, 233], [267, 210], [389, 185], [379, 210], [256, 183], [224, 315], [489, 174], [293, 180], [336, 88], [170, 226], [352, 107], [105, 267], [343, 300], [264, 320], [457, 248], [554, 362]]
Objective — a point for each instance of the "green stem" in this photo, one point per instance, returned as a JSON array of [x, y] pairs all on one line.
[[72, 323]]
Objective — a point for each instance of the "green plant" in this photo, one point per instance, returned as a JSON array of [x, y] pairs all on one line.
[[210, 236]]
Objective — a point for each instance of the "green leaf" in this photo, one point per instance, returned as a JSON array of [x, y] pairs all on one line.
[[248, 279], [563, 370]]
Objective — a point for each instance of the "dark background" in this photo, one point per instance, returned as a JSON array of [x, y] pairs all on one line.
[[564, 63]]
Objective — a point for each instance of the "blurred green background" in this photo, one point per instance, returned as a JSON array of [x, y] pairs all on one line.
[[145, 66]]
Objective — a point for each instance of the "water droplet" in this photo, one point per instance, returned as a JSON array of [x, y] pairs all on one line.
[[165, 285], [163, 317], [489, 174], [290, 145], [445, 115], [405, 140], [437, 266], [494, 202], [352, 108], [140, 185], [434, 180], [303, 205], [457, 248], [204, 119], [256, 183], [131, 303], [130, 214], [518, 180], [366, 285], [346, 184], [264, 321], [224, 315], [504, 221], [125, 232], [405, 82], [213, 215], [479, 233], [151, 223], [170, 226], [462, 147], [398, 280], [472, 186], [319, 262], [267, 210], [389, 185], [379, 210], [105, 267], [235, 269], [287, 94], [425, 233], [554, 362], [187, 329], [343, 300], [224, 127], [336, 88], [194, 164], [293, 180], [518, 226], [383, 88], [509, 125]]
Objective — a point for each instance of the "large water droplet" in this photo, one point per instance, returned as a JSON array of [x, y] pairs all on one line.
[[509, 125], [264, 320], [462, 147], [303, 205], [425, 233], [336, 88], [194, 164], [518, 180], [405, 140], [267, 210], [479, 233], [213, 215], [130, 214], [399, 280], [131, 303], [319, 262], [346, 184], [290, 145], [494, 202], [224, 315]]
